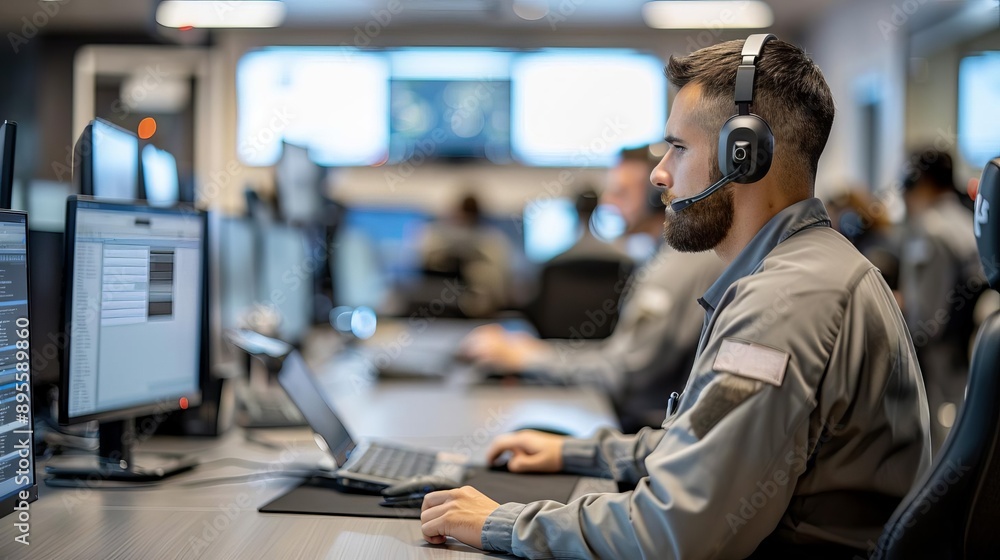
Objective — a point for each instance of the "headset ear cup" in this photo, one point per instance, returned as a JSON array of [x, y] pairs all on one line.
[[753, 130]]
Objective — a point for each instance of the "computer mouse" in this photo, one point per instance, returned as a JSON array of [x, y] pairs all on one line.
[[500, 463], [420, 485]]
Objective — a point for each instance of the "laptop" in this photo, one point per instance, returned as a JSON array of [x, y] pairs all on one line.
[[366, 466]]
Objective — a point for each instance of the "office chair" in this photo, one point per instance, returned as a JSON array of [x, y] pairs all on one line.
[[579, 298], [954, 510]]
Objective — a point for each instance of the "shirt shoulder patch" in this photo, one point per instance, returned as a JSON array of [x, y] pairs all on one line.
[[754, 361]]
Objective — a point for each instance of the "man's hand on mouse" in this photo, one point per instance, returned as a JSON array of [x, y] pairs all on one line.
[[459, 513], [462, 512], [494, 346], [531, 451]]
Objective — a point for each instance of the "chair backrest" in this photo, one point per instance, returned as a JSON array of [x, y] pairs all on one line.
[[579, 298], [954, 510]]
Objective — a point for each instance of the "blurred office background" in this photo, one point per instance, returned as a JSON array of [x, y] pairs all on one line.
[[333, 137]]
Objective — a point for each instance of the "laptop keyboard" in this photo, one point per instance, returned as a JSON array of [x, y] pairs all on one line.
[[394, 463]]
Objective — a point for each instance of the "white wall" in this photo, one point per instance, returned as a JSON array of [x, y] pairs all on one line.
[[858, 57]]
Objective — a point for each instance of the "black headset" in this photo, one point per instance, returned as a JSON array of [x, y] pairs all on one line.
[[746, 143], [746, 139]]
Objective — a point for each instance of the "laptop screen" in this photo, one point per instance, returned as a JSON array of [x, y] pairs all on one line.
[[296, 379]]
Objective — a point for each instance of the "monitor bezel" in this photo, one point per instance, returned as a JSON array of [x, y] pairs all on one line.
[[7, 504], [160, 405], [8, 143]]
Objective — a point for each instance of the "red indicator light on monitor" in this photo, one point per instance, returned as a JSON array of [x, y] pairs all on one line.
[[184, 403]]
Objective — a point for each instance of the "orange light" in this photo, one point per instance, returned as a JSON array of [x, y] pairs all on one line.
[[184, 403], [147, 127]]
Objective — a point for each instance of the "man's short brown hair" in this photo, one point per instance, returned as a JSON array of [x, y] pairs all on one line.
[[790, 94]]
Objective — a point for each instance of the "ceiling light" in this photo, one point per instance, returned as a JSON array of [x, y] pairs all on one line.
[[207, 14], [697, 14]]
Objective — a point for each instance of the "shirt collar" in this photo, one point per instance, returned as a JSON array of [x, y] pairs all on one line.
[[797, 217]]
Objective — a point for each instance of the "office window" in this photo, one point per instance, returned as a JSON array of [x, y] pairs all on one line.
[[979, 108], [579, 107], [333, 101]]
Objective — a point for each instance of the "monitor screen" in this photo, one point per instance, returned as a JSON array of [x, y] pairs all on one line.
[[134, 277], [579, 107], [237, 271], [434, 118], [332, 100], [115, 162], [550, 227], [979, 108], [285, 284], [299, 183], [159, 176], [17, 473], [106, 162]]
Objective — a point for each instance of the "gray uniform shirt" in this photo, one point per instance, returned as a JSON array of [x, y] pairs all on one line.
[[804, 420], [650, 352]]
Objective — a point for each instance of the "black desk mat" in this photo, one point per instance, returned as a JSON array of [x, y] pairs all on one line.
[[321, 497]]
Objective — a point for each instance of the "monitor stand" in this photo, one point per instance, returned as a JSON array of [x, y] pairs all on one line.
[[115, 459]]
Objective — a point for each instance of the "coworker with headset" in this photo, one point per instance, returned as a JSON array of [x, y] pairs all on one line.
[[804, 421], [652, 347]]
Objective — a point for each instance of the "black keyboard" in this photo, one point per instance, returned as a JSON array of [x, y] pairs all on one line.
[[394, 463]]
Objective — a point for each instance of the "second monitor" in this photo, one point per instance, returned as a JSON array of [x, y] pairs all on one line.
[[134, 309]]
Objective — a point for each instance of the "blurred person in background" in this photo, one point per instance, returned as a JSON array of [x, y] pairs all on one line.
[[588, 246], [864, 221], [940, 280], [652, 347], [464, 248]]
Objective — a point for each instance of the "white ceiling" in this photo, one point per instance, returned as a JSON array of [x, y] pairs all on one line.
[[137, 15]]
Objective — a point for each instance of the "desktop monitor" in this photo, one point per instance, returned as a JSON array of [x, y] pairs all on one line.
[[17, 469], [46, 204], [284, 283], [299, 184], [106, 162], [237, 260], [550, 227], [135, 277], [159, 177], [8, 133]]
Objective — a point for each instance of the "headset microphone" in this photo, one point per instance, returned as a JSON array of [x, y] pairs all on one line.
[[683, 203]]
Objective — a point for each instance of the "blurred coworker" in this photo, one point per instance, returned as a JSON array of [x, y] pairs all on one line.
[[863, 220], [940, 280], [652, 347], [588, 246], [804, 420], [463, 247]]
